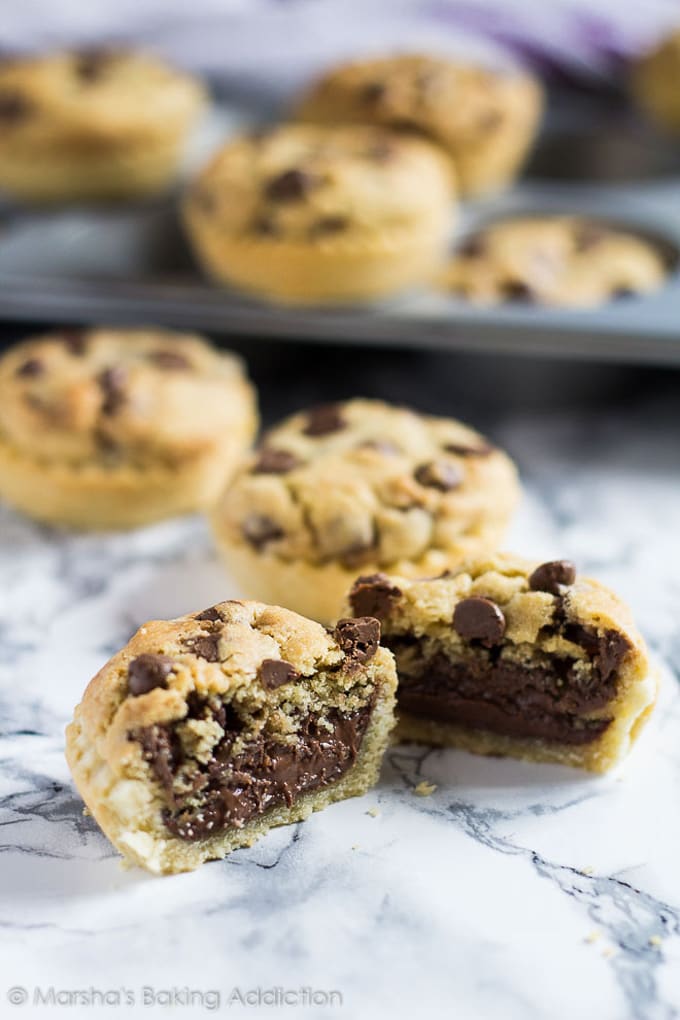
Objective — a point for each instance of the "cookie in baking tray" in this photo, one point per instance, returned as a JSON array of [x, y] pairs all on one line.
[[484, 120], [313, 215], [95, 124]]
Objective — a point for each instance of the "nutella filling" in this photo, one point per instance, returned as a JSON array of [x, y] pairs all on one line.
[[483, 690], [231, 789]]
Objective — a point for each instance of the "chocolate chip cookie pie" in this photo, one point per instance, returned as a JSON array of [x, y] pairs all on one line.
[[205, 732], [359, 487], [93, 124], [514, 658], [565, 261], [113, 428], [484, 120], [308, 214]]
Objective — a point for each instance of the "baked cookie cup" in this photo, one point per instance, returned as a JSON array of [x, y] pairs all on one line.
[[485, 121], [98, 124], [310, 215], [513, 657], [109, 428], [358, 487], [559, 261], [205, 732]]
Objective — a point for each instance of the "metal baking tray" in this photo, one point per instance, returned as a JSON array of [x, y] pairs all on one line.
[[130, 263]]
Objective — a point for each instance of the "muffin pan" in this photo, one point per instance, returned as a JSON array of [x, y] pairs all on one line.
[[131, 264]]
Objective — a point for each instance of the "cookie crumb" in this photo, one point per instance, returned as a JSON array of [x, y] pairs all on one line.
[[593, 936], [355, 846], [588, 870], [655, 940], [424, 789], [373, 812], [608, 952]]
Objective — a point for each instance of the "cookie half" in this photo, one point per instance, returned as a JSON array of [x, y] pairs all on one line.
[[360, 486], [93, 124], [485, 121], [309, 214], [114, 428], [514, 658], [205, 732]]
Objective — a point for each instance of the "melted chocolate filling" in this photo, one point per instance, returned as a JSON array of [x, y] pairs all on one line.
[[484, 691], [230, 790]]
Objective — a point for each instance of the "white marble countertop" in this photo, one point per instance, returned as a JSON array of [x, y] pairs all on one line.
[[514, 891]]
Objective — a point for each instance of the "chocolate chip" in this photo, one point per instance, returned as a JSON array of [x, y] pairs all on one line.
[[473, 247], [373, 595], [373, 92], [265, 226], [479, 619], [275, 672], [90, 65], [623, 292], [210, 614], [204, 200], [112, 383], [290, 186], [323, 420], [259, 530], [460, 450], [275, 462], [552, 575], [31, 368], [148, 671], [381, 152], [13, 107], [439, 475], [205, 647], [329, 225], [490, 121], [171, 360], [75, 341], [358, 638], [613, 648], [589, 235], [515, 290]]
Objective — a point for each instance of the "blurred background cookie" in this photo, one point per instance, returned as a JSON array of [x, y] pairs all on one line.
[[312, 214], [95, 124], [485, 120], [352, 488], [553, 260], [655, 80], [112, 428]]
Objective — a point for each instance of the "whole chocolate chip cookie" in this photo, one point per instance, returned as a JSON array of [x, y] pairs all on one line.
[[93, 124], [205, 732], [316, 215], [356, 488], [107, 428], [485, 121], [511, 657]]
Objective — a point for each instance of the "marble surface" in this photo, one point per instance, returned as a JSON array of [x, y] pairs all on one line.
[[513, 891]]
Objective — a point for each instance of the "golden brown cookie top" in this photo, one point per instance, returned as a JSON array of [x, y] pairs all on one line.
[[315, 184], [452, 102], [505, 599], [364, 481], [248, 655], [96, 94], [112, 396], [553, 260]]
